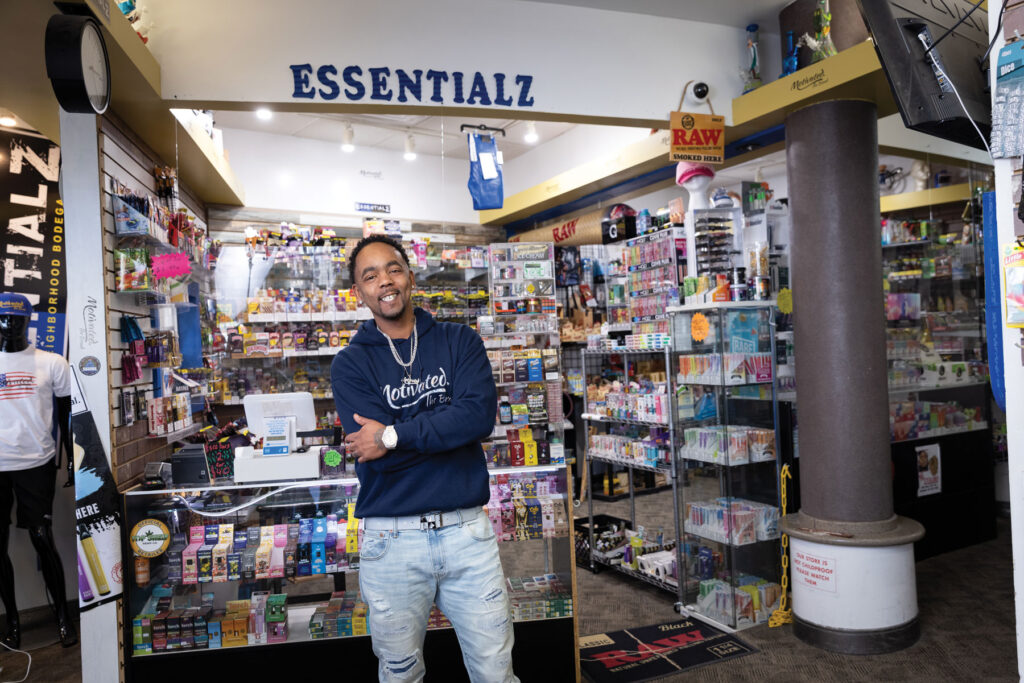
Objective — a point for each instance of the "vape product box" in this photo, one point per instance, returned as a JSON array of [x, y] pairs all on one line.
[[305, 549], [508, 367], [213, 626], [249, 563], [535, 367], [234, 566], [517, 453], [158, 625], [204, 555], [318, 539], [264, 552], [534, 518], [257, 628], [241, 540], [522, 367], [547, 510], [543, 453], [277, 554], [530, 458], [225, 540], [142, 635], [508, 521], [550, 360], [494, 515], [186, 624], [189, 560], [174, 630], [174, 552]]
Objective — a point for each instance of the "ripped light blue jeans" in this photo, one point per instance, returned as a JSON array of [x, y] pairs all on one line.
[[403, 572]]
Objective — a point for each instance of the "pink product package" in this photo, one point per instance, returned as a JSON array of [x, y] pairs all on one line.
[[189, 562]]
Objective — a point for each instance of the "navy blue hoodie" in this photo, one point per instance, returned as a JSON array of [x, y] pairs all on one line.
[[438, 463]]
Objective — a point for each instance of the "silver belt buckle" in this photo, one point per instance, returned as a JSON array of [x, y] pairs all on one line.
[[429, 522]]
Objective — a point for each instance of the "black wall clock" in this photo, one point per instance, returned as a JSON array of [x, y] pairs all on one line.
[[77, 64]]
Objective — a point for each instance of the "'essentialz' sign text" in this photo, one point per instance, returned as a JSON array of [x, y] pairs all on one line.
[[354, 83]]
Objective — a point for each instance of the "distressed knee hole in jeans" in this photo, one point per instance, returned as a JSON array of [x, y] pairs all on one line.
[[400, 667], [381, 608]]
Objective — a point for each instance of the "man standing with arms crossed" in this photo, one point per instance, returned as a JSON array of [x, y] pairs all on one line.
[[416, 397]]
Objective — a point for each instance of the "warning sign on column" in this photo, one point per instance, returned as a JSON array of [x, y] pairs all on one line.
[[814, 571]]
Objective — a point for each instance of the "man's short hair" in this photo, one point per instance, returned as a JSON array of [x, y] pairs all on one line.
[[382, 239]]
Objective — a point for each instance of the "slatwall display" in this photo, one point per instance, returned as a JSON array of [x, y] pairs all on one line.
[[129, 161]]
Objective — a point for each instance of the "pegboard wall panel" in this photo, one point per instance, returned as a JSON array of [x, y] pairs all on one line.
[[129, 162]]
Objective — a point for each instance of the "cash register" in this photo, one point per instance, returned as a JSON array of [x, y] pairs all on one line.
[[277, 419]]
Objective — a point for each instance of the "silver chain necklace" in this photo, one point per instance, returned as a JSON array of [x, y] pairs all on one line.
[[406, 367]]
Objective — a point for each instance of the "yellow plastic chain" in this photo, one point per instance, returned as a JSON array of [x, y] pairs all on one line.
[[783, 615]]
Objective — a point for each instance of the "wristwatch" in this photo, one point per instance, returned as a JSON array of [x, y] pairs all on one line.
[[389, 438]]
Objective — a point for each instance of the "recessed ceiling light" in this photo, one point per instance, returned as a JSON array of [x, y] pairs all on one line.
[[410, 148], [347, 136], [531, 132], [7, 119], [264, 114]]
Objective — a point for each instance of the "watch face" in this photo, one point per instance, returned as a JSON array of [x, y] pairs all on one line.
[[94, 68]]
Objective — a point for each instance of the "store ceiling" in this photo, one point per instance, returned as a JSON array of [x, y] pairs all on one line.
[[433, 134]]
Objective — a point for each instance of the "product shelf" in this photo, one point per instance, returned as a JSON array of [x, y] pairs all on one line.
[[629, 352], [947, 431], [896, 391], [912, 243], [723, 305], [180, 434], [592, 417], [671, 587], [710, 463], [720, 541], [625, 496], [630, 464]]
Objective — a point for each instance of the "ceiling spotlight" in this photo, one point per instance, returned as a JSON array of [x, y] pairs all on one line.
[[264, 114], [346, 139], [531, 132], [7, 119], [410, 148]]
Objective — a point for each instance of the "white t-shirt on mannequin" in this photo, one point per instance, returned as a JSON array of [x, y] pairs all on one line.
[[29, 380]]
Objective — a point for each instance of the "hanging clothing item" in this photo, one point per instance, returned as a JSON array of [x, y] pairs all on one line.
[[485, 173]]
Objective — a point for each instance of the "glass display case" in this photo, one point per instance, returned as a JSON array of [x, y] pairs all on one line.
[[631, 432], [724, 390], [283, 312], [230, 568], [940, 404], [935, 336]]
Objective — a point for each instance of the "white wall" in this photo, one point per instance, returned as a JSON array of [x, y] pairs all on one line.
[[578, 146], [584, 61], [314, 176]]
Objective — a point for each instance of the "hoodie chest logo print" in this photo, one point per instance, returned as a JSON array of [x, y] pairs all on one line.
[[433, 387]]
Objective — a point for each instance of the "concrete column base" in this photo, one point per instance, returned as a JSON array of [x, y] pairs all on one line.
[[854, 584]]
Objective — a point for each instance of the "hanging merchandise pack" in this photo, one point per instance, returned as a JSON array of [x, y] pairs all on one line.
[[485, 173], [134, 358]]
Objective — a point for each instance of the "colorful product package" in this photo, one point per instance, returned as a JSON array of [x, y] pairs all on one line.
[[277, 553], [189, 559], [225, 541]]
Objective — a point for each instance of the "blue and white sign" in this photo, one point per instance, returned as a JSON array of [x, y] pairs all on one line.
[[383, 84]]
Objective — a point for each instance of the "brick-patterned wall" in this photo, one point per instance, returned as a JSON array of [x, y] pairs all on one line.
[[128, 160]]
